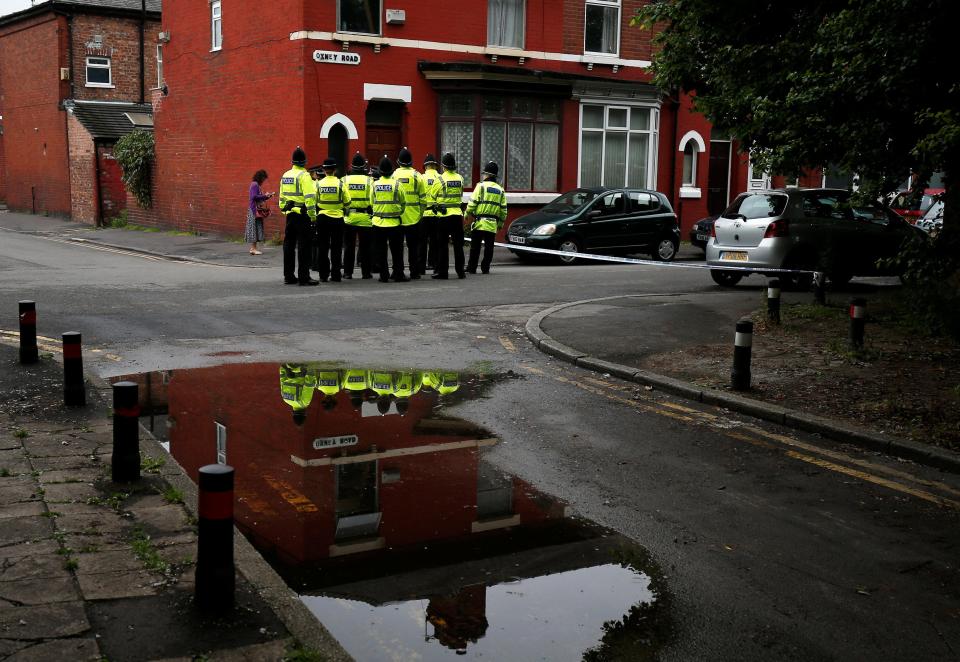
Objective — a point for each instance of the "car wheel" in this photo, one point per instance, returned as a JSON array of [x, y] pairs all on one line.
[[666, 250], [568, 245], [725, 278]]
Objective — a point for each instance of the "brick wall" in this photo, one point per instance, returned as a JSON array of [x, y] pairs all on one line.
[[120, 41], [83, 173], [35, 138]]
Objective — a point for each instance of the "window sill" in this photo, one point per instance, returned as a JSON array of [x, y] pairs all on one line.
[[101, 85], [690, 192], [218, 48]]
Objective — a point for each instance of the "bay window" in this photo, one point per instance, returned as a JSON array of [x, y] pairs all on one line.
[[601, 31], [506, 22], [618, 145], [359, 16], [521, 134]]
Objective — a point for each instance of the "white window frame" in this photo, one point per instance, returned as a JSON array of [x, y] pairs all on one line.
[[159, 66], [691, 149], [653, 130], [378, 33], [108, 67], [523, 12], [603, 3], [221, 431], [216, 21]]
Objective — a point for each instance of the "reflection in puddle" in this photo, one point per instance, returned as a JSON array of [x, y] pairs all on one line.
[[381, 512]]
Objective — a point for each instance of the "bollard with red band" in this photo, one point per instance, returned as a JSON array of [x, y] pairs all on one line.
[[215, 576], [858, 317], [742, 350], [125, 460], [820, 288], [28, 332], [74, 390], [773, 301]]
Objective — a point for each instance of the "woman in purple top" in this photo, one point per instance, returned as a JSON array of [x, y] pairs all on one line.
[[254, 231]]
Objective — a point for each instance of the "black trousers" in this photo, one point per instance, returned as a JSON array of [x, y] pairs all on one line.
[[486, 238], [450, 227], [352, 235], [392, 237], [411, 233], [297, 239], [427, 253], [329, 245]]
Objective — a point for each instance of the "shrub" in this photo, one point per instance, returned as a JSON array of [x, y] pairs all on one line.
[[134, 152]]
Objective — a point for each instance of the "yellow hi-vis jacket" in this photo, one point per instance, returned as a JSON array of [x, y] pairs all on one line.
[[489, 205], [430, 178], [331, 197], [296, 386], [356, 211], [328, 381], [297, 186], [411, 185], [406, 384], [448, 192], [387, 204], [355, 380]]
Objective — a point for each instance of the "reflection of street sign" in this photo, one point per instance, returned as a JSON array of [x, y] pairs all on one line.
[[334, 442], [336, 57]]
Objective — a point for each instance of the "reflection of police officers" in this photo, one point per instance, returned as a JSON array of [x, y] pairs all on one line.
[[331, 199], [427, 253], [297, 385], [411, 186], [357, 222], [298, 204], [488, 210], [448, 192], [388, 206]]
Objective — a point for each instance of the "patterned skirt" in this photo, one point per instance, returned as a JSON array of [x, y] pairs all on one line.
[[254, 231]]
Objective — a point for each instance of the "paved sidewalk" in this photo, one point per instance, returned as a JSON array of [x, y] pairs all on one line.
[[92, 570]]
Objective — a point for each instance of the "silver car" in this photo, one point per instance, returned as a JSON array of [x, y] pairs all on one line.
[[803, 229]]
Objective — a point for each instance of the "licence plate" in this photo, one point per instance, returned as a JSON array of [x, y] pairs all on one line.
[[736, 256], [517, 240], [702, 237]]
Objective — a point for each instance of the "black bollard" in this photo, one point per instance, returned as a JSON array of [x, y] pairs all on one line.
[[28, 332], [215, 576], [858, 315], [742, 349], [125, 461], [820, 288], [74, 391], [773, 301]]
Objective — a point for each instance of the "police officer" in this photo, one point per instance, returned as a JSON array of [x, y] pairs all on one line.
[[448, 192], [359, 188], [298, 204], [427, 253], [488, 209], [388, 206], [411, 185], [331, 199], [297, 384]]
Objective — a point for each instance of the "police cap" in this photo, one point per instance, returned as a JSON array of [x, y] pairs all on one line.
[[449, 161], [405, 158], [299, 157], [386, 167]]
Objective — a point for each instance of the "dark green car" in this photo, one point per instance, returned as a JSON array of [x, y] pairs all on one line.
[[600, 220]]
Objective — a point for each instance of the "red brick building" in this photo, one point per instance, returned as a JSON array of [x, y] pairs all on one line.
[[558, 93], [75, 75]]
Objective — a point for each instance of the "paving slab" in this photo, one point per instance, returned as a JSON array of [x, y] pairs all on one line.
[[74, 649], [88, 544], [58, 446], [21, 529], [62, 463], [163, 521], [78, 475], [48, 590], [113, 585], [104, 523], [57, 493], [36, 566], [43, 621], [22, 509], [30, 548], [108, 561]]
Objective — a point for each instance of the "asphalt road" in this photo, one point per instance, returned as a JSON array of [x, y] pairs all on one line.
[[776, 545]]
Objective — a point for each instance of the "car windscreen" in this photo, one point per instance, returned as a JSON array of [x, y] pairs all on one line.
[[757, 205], [935, 211], [570, 202]]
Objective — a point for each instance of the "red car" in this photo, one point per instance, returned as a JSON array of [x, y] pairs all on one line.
[[911, 207]]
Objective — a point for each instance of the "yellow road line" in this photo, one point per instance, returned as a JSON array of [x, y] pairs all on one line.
[[105, 249], [507, 344], [51, 345]]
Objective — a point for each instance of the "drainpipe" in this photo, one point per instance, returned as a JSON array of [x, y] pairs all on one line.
[[143, 20], [73, 91], [97, 212]]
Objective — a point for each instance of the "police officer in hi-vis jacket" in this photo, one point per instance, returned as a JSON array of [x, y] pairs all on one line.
[[357, 219], [298, 199]]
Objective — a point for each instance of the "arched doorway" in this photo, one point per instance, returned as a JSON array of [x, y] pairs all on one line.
[[337, 147]]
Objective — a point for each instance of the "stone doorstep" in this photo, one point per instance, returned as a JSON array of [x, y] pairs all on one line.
[[63, 619], [112, 585], [74, 649], [39, 591]]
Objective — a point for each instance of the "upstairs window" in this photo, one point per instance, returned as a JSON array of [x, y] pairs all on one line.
[[216, 26], [601, 33], [360, 16], [98, 72], [506, 23]]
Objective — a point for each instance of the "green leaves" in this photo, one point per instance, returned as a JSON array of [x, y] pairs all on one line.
[[134, 153]]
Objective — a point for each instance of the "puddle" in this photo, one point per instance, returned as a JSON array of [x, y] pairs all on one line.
[[381, 511]]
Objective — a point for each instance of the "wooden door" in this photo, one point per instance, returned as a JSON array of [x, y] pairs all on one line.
[[383, 140], [718, 177]]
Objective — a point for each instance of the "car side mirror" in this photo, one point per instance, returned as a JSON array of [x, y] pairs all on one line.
[[594, 213]]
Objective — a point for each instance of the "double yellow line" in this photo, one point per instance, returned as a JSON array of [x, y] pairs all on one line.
[[52, 345], [894, 479]]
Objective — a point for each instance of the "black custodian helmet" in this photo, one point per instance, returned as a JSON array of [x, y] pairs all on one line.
[[430, 158], [405, 158], [449, 161], [359, 163], [386, 167], [299, 157], [491, 169]]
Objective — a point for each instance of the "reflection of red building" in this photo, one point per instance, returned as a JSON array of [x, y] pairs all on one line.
[[397, 481]]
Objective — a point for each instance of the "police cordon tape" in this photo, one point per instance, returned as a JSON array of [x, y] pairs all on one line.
[[653, 263]]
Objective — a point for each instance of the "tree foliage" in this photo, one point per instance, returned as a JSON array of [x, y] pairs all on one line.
[[134, 153], [868, 86]]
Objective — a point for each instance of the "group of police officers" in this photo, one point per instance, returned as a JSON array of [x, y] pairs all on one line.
[[382, 208]]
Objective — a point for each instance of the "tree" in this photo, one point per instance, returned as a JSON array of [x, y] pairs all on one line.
[[866, 85]]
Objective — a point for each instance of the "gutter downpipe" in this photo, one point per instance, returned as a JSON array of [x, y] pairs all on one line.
[[143, 20]]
